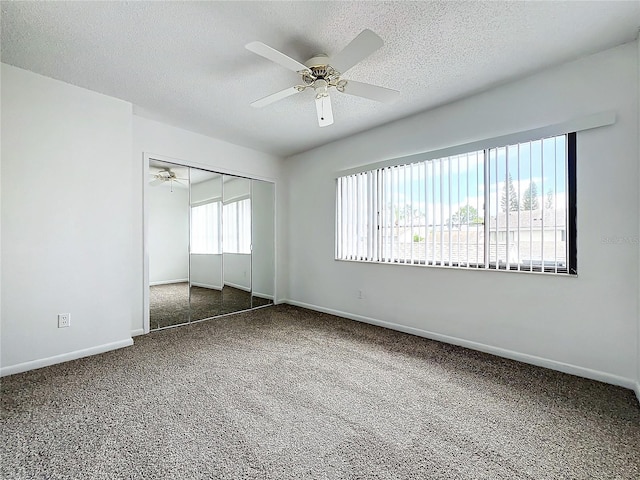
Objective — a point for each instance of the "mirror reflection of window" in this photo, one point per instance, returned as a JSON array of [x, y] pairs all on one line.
[[237, 230], [205, 228]]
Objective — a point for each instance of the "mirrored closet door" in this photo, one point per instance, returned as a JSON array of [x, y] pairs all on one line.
[[205, 258], [168, 244], [220, 229]]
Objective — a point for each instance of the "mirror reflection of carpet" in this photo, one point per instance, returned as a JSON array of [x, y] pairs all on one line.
[[169, 304]]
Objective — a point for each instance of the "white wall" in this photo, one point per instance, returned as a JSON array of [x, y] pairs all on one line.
[[237, 270], [199, 151], [168, 234], [67, 221], [207, 190], [638, 137], [587, 325], [262, 239], [206, 270], [236, 188]]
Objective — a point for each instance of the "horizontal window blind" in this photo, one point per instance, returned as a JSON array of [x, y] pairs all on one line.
[[500, 208]]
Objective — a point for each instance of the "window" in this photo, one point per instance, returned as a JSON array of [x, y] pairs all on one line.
[[237, 226], [205, 233], [505, 208]]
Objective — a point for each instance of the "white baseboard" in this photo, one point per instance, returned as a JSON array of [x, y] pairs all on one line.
[[239, 287], [137, 332], [262, 295], [167, 282], [65, 357], [637, 390], [206, 285], [501, 352]]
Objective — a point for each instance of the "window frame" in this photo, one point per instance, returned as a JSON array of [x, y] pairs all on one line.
[[569, 229]]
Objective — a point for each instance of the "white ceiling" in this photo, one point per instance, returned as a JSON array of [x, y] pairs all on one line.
[[184, 63]]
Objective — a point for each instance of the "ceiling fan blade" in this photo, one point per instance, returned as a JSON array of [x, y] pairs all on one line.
[[156, 182], [323, 109], [372, 92], [275, 97], [275, 56], [360, 48]]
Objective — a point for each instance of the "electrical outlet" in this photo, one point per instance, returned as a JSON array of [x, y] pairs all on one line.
[[360, 294], [64, 320]]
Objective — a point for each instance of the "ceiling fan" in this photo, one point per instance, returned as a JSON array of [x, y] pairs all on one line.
[[165, 175], [320, 73]]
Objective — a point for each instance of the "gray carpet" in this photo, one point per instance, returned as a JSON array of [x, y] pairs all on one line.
[[285, 393]]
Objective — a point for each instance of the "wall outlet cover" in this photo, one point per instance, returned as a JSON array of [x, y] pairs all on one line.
[[64, 320]]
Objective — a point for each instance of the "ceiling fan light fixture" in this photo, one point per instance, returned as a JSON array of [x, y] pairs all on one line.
[[323, 109]]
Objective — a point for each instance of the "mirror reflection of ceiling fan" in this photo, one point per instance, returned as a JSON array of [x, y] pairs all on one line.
[[321, 73], [165, 175]]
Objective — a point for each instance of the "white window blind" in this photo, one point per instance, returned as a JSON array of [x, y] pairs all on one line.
[[237, 226], [499, 208], [205, 231]]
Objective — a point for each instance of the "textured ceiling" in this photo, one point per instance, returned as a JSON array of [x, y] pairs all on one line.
[[184, 63]]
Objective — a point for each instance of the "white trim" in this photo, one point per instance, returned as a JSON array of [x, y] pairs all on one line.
[[146, 312], [65, 357], [262, 295], [637, 389], [574, 125], [168, 282], [203, 166], [206, 285], [207, 201], [137, 332], [501, 352], [239, 287], [237, 198]]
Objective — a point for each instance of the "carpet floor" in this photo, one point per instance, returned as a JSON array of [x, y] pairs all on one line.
[[287, 393]]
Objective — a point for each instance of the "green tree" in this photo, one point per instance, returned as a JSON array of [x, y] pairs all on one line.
[[467, 214], [549, 202], [530, 197], [509, 197]]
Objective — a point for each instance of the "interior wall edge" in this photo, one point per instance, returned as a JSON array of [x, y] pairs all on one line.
[[206, 285], [481, 347], [65, 357], [266, 296], [638, 302], [238, 286]]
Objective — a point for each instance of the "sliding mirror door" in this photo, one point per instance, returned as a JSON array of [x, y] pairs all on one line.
[[210, 243], [168, 244], [236, 244], [263, 243], [205, 257]]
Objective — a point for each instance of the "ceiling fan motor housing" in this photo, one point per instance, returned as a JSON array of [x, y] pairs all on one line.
[[319, 60]]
